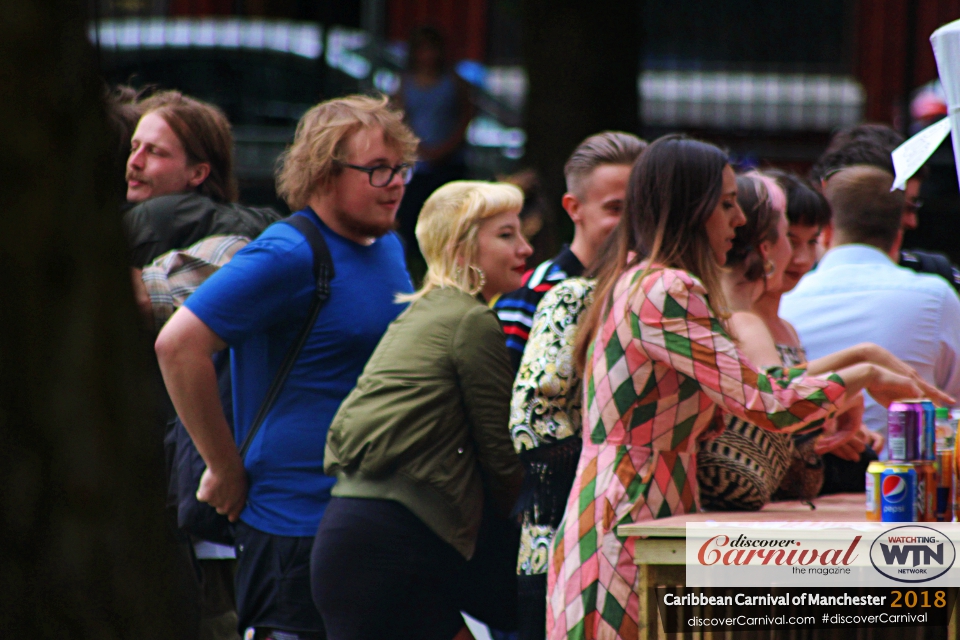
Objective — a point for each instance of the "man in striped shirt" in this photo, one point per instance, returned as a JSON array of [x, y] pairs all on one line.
[[596, 174]]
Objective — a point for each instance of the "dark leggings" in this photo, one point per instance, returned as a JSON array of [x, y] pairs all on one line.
[[378, 572]]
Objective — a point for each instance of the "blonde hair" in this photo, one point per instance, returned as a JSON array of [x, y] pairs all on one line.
[[447, 232], [319, 144]]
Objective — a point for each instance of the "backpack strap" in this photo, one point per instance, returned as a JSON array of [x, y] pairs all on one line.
[[323, 273]]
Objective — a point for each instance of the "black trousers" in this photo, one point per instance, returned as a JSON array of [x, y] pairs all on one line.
[[273, 584], [378, 572], [377, 556]]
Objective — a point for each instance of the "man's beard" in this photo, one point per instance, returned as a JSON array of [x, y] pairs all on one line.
[[363, 228]]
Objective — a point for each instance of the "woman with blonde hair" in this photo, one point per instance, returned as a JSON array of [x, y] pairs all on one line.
[[658, 365], [421, 443]]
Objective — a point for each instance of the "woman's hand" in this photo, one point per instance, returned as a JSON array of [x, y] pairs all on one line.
[[843, 436], [886, 386], [880, 356], [873, 439]]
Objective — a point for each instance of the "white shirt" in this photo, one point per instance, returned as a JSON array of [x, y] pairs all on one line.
[[857, 294]]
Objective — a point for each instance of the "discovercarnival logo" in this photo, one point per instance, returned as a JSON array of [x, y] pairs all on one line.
[[744, 551], [912, 553]]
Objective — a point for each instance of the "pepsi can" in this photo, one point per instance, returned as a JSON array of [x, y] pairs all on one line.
[[898, 493], [905, 426]]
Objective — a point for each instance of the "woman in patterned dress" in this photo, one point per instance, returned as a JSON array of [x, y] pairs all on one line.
[[746, 466], [659, 364]]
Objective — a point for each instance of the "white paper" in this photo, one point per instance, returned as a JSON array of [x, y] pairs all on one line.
[[912, 154], [946, 49]]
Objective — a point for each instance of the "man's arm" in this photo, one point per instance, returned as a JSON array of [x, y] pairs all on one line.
[[184, 350], [946, 370]]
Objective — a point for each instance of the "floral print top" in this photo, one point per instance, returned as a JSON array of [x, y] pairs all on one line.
[[545, 420]]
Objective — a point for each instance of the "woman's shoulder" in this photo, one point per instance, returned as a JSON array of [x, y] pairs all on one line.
[[665, 288], [746, 321], [455, 308], [792, 331]]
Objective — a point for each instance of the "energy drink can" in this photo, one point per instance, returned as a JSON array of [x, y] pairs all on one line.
[[874, 469], [926, 491], [944, 485], [898, 493], [905, 426], [928, 440]]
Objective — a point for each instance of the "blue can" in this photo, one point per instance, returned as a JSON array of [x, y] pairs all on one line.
[[929, 442], [898, 493]]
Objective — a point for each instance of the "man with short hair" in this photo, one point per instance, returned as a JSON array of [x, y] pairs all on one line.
[[596, 173], [858, 294], [345, 173], [872, 144]]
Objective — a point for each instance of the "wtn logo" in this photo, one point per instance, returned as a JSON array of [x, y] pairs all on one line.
[[900, 554], [912, 553]]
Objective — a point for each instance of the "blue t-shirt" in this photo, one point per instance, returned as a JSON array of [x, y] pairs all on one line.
[[257, 303]]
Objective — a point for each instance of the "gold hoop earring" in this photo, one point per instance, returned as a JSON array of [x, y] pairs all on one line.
[[481, 278], [768, 267]]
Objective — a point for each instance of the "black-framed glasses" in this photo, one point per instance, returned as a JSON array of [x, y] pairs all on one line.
[[382, 175]]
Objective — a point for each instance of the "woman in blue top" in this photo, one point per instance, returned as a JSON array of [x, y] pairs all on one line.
[[437, 107]]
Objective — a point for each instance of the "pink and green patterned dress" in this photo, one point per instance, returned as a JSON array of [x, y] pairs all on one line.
[[659, 368]]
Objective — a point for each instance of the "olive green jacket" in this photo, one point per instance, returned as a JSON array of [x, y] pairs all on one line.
[[426, 424]]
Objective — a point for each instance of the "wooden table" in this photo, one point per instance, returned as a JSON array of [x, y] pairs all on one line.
[[660, 546]]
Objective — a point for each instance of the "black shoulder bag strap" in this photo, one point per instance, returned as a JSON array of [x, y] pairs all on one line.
[[323, 274]]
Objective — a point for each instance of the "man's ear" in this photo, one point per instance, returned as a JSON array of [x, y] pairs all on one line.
[[572, 206], [199, 173], [826, 236], [897, 244]]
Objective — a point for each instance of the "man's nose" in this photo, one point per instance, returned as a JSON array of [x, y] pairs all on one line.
[[136, 158], [396, 181]]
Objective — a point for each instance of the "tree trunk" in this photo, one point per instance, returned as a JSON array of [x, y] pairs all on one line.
[[83, 549], [582, 60]]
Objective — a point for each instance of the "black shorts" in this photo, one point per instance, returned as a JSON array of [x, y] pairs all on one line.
[[379, 572], [273, 583]]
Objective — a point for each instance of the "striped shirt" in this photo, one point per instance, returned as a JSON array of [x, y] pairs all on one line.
[[516, 309]]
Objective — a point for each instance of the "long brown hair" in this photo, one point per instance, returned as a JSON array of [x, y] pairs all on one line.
[[204, 132], [674, 187]]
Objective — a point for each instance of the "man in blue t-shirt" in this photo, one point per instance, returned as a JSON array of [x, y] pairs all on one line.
[[345, 172]]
